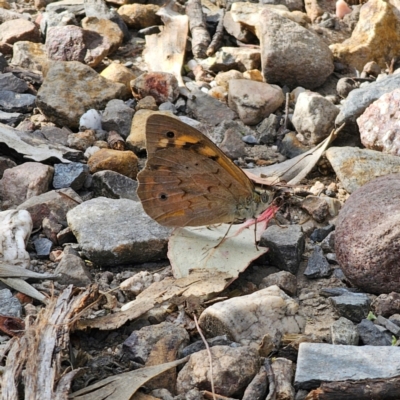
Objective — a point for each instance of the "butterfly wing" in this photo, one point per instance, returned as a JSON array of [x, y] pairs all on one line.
[[188, 180]]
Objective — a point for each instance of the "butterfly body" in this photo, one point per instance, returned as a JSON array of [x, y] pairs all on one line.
[[189, 181]]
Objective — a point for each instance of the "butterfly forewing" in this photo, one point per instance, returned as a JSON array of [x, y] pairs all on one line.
[[188, 180]]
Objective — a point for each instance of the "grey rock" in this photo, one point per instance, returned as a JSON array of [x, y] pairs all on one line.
[[117, 117], [9, 81], [72, 6], [113, 232], [140, 343], [345, 85], [237, 126], [371, 335], [16, 102], [71, 175], [321, 362], [317, 265], [43, 247], [328, 244], [319, 234], [55, 135], [355, 167], [353, 306], [233, 145], [395, 318], [6, 163], [199, 345], [167, 106], [283, 279], [291, 147], [359, 99], [337, 291], [114, 186], [267, 129], [208, 109], [286, 246], [51, 18], [65, 236], [285, 45], [9, 305], [73, 271], [343, 331], [11, 118], [389, 325]]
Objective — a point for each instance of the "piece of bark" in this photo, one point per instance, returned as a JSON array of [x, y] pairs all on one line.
[[283, 373], [115, 141], [216, 41], [257, 388], [366, 389], [271, 380], [200, 36]]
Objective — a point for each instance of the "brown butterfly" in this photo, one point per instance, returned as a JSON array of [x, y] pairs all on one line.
[[189, 181]]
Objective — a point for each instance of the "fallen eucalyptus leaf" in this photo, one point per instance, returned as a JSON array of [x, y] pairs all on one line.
[[125, 385], [25, 288]]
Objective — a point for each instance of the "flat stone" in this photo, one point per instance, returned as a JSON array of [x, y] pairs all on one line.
[[11, 119], [317, 265], [319, 234], [8, 81], [286, 246], [359, 99], [353, 306], [117, 232], [355, 167], [17, 102], [320, 362], [389, 325], [209, 110], [73, 6], [77, 91], [114, 186]]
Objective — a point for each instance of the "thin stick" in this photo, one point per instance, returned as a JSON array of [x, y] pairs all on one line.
[[209, 355]]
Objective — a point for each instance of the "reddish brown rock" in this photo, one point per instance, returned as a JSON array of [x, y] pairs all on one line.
[[367, 238], [379, 124], [123, 162], [386, 304], [140, 15], [163, 86], [17, 30]]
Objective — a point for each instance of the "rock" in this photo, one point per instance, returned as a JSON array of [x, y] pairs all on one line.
[[317, 265], [163, 86], [386, 304], [123, 162], [82, 140], [328, 244], [136, 141], [367, 236], [247, 319], [17, 30], [345, 85], [321, 362], [138, 346], [285, 46], [118, 232], [71, 175], [316, 206], [117, 117], [119, 74], [73, 6], [353, 306], [167, 106], [355, 167], [395, 318], [30, 55], [140, 16], [73, 271], [16, 102], [223, 78], [291, 146], [114, 186], [359, 99], [10, 306], [374, 37], [65, 236], [56, 203], [78, 90], [253, 101], [283, 373], [319, 234], [8, 81], [237, 30], [50, 18], [11, 119], [378, 124], [23, 182], [283, 279], [240, 58], [55, 135], [51, 228], [199, 345], [209, 110], [43, 247], [343, 331], [314, 116], [267, 130], [233, 145], [388, 325], [286, 246], [315, 9], [147, 103], [196, 372], [372, 69], [5, 163], [371, 335], [110, 33]]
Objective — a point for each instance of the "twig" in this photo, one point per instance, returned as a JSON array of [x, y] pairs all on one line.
[[209, 355], [286, 111]]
